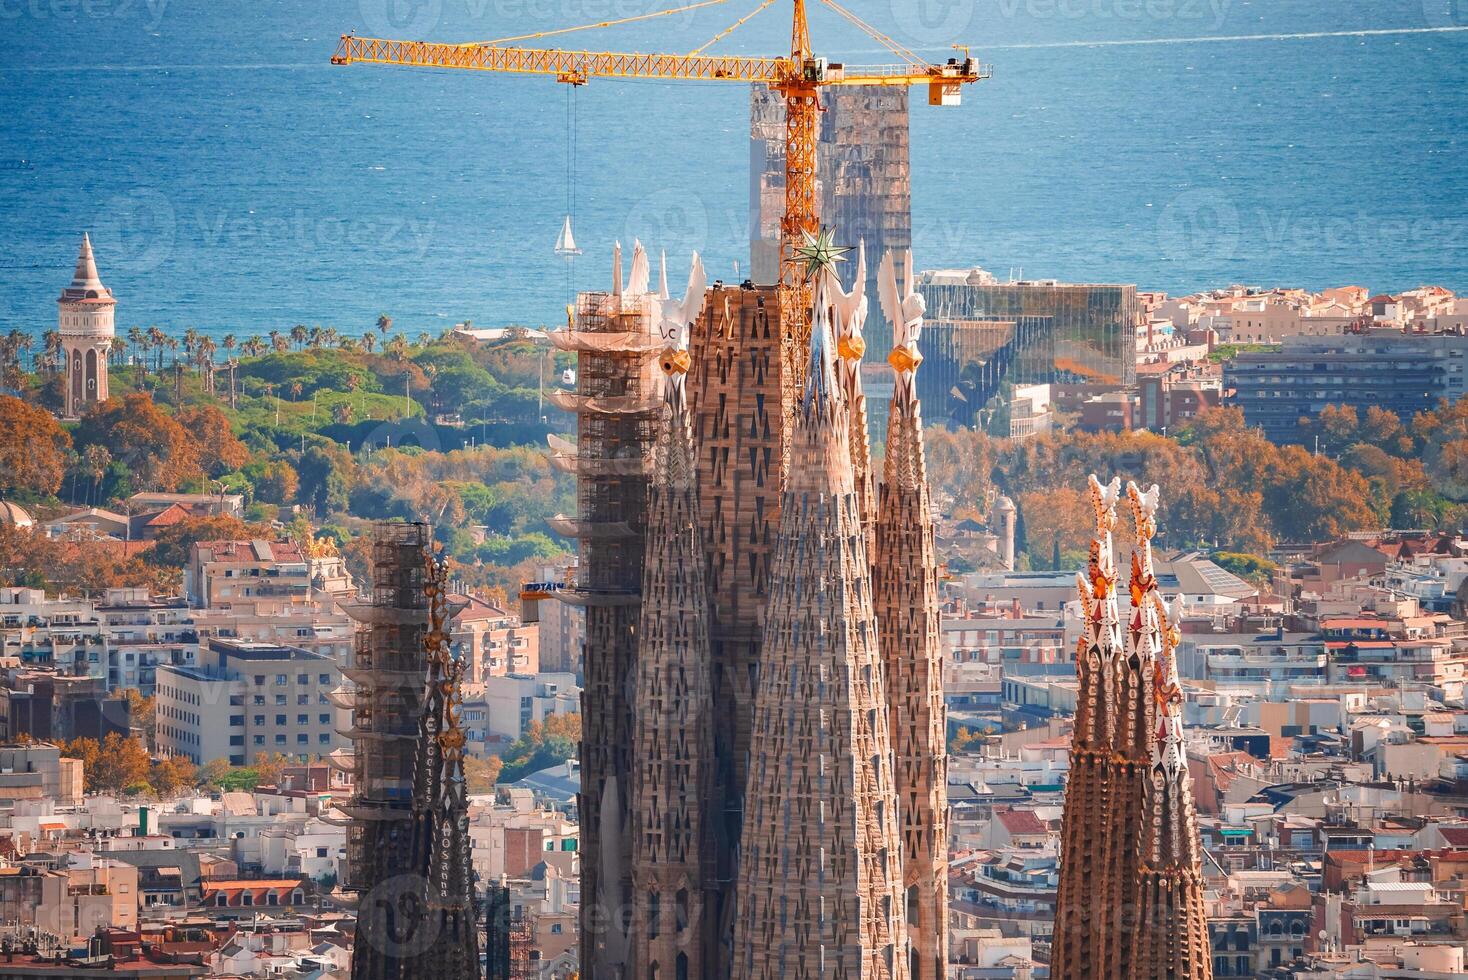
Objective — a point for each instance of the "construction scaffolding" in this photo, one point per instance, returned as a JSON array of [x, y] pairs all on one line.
[[387, 673], [617, 404]]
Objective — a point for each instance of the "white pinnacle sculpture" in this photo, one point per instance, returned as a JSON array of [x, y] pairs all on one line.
[[678, 315], [851, 307], [637, 281], [904, 307]]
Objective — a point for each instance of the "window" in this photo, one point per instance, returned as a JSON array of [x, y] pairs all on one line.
[[281, 680], [324, 678], [237, 740], [303, 679], [259, 699], [280, 719], [324, 719], [303, 739], [324, 738], [259, 739], [303, 719], [280, 700], [280, 740], [259, 719], [259, 680], [321, 852], [236, 720], [302, 700]]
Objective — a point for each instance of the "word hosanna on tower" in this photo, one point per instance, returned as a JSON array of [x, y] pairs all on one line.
[[763, 761]]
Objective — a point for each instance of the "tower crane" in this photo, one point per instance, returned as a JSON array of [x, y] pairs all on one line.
[[798, 76]]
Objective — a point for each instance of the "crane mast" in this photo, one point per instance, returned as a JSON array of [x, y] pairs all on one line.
[[798, 77]]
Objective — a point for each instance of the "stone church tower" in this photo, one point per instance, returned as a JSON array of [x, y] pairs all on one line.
[[85, 322], [819, 889]]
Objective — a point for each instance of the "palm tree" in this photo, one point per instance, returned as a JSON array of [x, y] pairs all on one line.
[[368, 342], [228, 342], [139, 340], [119, 351], [190, 341], [157, 340], [205, 354], [95, 460], [234, 396], [299, 333], [51, 344], [384, 323]]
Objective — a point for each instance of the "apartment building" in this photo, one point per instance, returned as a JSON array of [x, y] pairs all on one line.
[[243, 699]]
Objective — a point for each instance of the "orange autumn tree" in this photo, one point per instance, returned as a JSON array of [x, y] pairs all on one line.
[[158, 452], [219, 450], [32, 448]]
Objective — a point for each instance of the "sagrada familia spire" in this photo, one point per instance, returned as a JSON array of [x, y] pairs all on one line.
[[673, 736], [1130, 902], [820, 875], [905, 591], [777, 804], [408, 839]]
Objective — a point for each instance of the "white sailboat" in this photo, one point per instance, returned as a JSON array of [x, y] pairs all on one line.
[[566, 242]]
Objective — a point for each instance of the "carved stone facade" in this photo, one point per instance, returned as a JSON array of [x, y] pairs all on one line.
[[751, 819], [905, 586], [673, 748], [1130, 899], [735, 384], [820, 874]]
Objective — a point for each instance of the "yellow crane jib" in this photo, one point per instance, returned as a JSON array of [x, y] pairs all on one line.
[[799, 77]]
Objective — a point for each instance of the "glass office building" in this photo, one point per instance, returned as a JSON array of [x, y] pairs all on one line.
[[981, 333]]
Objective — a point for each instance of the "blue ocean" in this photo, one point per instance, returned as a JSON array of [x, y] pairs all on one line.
[[235, 182]]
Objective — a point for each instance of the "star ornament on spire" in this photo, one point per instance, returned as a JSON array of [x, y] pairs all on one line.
[[820, 253]]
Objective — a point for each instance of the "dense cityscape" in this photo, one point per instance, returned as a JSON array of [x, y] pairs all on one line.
[[859, 618]]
